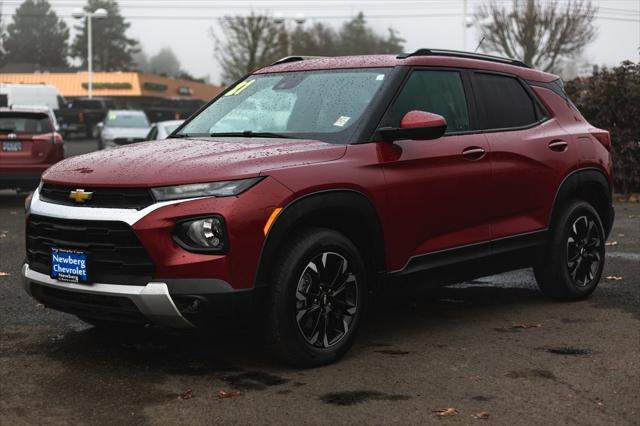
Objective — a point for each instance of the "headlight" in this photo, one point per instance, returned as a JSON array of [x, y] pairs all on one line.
[[212, 189], [205, 234]]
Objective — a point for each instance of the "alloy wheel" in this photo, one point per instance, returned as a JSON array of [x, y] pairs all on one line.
[[584, 246], [326, 300]]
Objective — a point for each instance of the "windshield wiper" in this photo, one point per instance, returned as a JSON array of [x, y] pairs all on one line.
[[6, 130], [251, 134], [180, 136]]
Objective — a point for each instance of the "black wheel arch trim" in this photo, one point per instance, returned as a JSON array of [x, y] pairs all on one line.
[[579, 180], [303, 207]]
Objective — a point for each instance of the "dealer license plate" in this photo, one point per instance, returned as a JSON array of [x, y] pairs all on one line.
[[69, 265]]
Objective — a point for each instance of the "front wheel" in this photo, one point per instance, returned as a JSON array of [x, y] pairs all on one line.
[[316, 298], [573, 262]]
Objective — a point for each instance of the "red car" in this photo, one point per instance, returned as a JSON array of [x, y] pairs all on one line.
[[29, 145], [309, 183]]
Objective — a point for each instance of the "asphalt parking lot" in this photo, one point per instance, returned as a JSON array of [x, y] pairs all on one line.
[[494, 350]]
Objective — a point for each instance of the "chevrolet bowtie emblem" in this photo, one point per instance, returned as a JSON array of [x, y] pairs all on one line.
[[80, 196]]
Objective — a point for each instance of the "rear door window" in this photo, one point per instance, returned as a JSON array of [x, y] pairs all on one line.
[[438, 92], [503, 102]]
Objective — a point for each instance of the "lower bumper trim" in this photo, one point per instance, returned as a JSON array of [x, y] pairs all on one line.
[[153, 300]]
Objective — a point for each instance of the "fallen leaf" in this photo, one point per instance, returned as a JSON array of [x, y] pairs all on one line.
[[13, 212], [620, 235], [611, 243], [613, 278], [633, 216], [444, 412], [526, 325], [188, 394], [482, 415], [5, 274], [223, 394]]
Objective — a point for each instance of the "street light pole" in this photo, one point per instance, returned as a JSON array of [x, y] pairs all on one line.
[[90, 55], [98, 14]]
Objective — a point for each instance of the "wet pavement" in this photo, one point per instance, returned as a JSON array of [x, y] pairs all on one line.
[[494, 350]]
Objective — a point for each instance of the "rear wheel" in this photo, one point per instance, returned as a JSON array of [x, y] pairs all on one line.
[[572, 265], [316, 298]]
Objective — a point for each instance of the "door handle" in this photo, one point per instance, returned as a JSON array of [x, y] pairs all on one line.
[[473, 153], [558, 145]]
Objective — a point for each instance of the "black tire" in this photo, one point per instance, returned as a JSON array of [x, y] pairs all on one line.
[[572, 263], [305, 306]]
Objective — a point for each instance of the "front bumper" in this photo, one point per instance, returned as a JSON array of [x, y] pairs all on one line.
[[152, 301]]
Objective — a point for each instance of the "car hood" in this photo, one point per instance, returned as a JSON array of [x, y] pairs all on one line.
[[124, 132], [180, 161]]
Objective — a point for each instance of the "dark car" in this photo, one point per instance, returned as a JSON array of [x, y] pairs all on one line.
[[29, 144], [310, 183]]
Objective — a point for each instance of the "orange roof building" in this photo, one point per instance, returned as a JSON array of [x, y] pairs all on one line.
[[125, 84]]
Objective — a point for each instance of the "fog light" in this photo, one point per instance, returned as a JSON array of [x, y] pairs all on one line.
[[202, 234]]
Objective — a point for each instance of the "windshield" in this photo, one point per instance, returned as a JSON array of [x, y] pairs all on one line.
[[326, 105], [126, 120]]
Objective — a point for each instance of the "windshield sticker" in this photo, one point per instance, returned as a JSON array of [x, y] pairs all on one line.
[[341, 121], [240, 87], [380, 77]]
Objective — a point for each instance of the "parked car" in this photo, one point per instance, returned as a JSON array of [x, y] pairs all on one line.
[[162, 129], [30, 95], [163, 109], [29, 145], [310, 183], [82, 116], [122, 127]]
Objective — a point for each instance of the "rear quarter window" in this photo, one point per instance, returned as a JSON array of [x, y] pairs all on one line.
[[503, 102]]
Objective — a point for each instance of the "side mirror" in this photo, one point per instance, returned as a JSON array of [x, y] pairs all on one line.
[[100, 125], [416, 125]]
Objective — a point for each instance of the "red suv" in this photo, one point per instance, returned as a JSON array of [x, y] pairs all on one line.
[[310, 182], [29, 144]]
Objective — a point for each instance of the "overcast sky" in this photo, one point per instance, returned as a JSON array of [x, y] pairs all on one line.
[[184, 25]]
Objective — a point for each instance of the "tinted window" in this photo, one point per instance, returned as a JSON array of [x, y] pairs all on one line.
[[153, 133], [16, 122], [439, 92], [504, 102], [86, 104]]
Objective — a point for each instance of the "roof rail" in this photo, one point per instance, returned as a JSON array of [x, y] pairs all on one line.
[[296, 58], [461, 54]]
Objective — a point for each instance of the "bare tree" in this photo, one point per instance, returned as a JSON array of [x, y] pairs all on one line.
[[539, 35], [249, 42]]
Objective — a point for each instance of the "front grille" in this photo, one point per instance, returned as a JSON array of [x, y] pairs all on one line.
[[125, 141], [88, 305], [116, 255], [122, 198]]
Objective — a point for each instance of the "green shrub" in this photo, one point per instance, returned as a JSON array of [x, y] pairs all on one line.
[[610, 99]]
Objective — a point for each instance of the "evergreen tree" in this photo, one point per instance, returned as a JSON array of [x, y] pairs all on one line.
[[112, 49], [36, 35]]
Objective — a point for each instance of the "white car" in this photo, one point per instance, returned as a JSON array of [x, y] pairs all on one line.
[[162, 129], [122, 127]]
